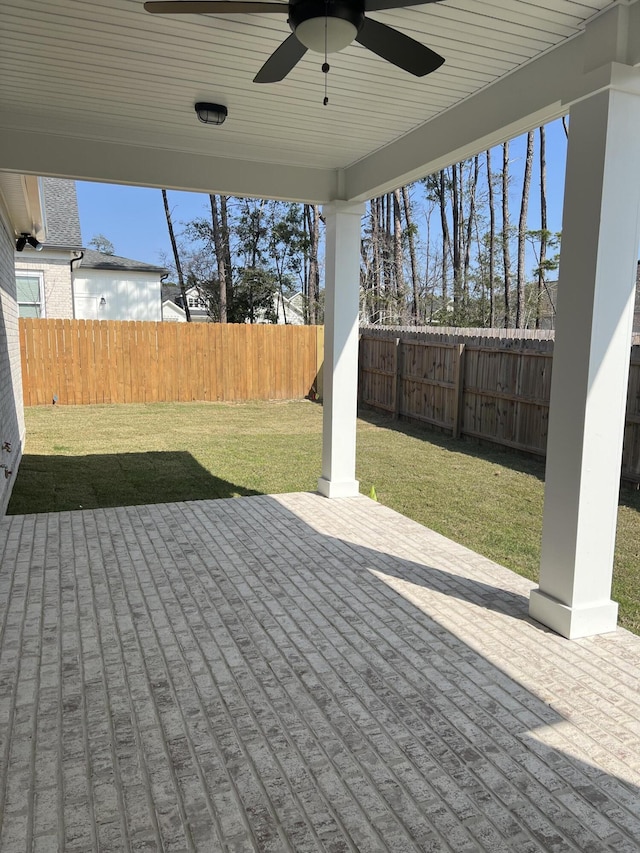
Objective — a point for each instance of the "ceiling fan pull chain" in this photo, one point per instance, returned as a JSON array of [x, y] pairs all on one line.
[[325, 64]]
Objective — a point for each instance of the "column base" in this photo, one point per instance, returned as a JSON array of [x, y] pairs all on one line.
[[573, 622], [333, 489]]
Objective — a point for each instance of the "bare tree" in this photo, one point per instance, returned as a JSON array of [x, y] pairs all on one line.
[[544, 235], [506, 228], [220, 257], [415, 304], [492, 243], [176, 257], [522, 233], [312, 214], [471, 219], [446, 238], [398, 259]]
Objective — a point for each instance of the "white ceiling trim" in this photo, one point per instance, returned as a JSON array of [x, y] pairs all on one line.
[[161, 150], [92, 160], [538, 92]]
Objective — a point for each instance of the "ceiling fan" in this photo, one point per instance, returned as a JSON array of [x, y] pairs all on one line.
[[324, 26]]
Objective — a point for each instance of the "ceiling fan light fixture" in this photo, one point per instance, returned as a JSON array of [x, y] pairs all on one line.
[[339, 34], [211, 113]]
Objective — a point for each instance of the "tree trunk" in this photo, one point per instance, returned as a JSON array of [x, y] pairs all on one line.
[[455, 237], [176, 257], [522, 234], [314, 269], [543, 223], [506, 227], [398, 259], [376, 250], [387, 269], [226, 244], [220, 257], [492, 243], [470, 222], [415, 305], [446, 240]]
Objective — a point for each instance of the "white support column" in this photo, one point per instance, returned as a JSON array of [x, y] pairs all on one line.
[[342, 287], [596, 291]]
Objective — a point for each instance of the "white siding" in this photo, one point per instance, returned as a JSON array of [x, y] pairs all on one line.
[[172, 313], [127, 295], [11, 406]]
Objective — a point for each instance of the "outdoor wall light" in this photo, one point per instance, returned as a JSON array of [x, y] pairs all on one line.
[[25, 238], [211, 113], [103, 301]]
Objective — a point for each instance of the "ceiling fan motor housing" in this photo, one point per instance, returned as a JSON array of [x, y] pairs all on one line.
[[337, 21]]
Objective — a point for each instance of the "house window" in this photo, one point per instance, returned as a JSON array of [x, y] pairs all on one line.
[[29, 295], [195, 302]]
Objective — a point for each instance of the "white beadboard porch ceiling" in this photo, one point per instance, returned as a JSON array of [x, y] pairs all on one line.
[[110, 73]]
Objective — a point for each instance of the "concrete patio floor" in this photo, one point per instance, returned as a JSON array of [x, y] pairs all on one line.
[[291, 673]]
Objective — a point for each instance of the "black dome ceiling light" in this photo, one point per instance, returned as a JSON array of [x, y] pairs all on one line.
[[324, 26]]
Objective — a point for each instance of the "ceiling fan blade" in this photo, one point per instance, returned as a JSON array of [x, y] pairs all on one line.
[[379, 5], [281, 61], [211, 7], [400, 50]]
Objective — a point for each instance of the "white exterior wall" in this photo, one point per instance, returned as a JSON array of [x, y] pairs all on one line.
[[128, 295], [11, 406], [56, 272], [172, 313]]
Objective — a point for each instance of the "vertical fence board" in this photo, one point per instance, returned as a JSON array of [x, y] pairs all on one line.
[[499, 390], [83, 362]]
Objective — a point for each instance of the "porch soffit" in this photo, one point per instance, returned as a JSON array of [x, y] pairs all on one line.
[[106, 92]]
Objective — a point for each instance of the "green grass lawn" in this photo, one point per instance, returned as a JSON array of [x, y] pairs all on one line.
[[489, 500]]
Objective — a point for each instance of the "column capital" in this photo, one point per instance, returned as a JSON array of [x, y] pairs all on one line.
[[343, 206]]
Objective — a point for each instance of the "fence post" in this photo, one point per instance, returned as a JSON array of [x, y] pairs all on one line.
[[397, 379], [458, 407], [361, 346]]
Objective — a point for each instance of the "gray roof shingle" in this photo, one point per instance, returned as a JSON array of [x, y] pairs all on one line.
[[61, 211], [94, 260]]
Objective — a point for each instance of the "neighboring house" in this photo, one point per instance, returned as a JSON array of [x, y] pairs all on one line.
[[63, 280], [108, 287], [289, 311], [173, 309]]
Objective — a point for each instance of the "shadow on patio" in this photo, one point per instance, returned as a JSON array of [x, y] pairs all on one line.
[[293, 674]]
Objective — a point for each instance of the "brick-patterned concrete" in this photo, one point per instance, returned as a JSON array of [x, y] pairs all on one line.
[[297, 674]]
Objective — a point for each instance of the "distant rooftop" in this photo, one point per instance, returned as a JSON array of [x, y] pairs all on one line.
[[94, 260]]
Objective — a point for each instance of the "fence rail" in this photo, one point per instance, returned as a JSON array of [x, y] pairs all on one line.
[[91, 361], [472, 386]]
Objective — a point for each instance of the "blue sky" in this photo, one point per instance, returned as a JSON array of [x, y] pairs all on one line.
[[133, 217]]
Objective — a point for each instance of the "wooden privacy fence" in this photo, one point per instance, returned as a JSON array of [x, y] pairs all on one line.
[[92, 361], [491, 390]]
